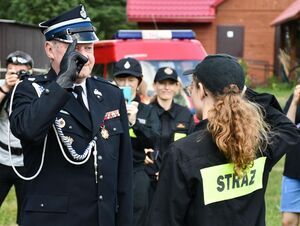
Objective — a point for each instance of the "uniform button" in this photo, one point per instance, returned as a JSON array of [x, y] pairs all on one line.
[[101, 177], [47, 91], [45, 76], [42, 205], [100, 197], [100, 157], [95, 138], [114, 129], [70, 127]]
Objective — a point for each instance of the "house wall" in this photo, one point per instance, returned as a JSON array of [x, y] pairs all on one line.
[[259, 37]]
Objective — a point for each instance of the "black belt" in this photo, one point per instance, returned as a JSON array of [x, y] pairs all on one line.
[[14, 151]]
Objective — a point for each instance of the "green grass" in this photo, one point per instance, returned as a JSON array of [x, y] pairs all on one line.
[[273, 216], [8, 210]]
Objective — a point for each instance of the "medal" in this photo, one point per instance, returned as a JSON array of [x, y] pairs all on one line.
[[104, 133]]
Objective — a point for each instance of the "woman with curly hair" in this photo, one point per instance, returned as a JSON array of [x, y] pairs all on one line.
[[218, 174]]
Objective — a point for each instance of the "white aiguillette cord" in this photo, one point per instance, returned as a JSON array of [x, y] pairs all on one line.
[[44, 146]]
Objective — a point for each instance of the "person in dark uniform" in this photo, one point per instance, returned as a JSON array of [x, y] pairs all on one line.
[[144, 131], [176, 121], [73, 129], [18, 65], [290, 191], [218, 175]]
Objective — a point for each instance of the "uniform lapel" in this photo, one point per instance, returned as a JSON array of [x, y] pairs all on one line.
[[78, 112], [96, 104]]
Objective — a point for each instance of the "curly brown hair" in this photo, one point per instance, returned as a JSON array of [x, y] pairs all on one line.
[[238, 128]]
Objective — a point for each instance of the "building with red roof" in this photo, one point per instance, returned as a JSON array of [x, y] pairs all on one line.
[[240, 28]]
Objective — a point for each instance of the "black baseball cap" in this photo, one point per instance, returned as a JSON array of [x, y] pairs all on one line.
[[73, 24], [219, 71], [19, 58], [126, 67], [165, 73]]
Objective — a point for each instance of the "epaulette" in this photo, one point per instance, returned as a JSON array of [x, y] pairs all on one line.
[[100, 79], [37, 78]]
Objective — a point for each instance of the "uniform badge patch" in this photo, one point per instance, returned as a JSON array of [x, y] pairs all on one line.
[[127, 65], [97, 92]]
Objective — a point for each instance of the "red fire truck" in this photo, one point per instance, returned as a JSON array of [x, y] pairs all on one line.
[[177, 49]]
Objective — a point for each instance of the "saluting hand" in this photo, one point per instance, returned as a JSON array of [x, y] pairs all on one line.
[[70, 66]]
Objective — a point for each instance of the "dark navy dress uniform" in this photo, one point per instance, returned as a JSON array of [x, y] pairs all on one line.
[[64, 193], [181, 184]]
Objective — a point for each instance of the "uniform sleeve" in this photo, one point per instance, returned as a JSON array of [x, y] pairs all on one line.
[[171, 199], [285, 135], [125, 172], [148, 132], [32, 116]]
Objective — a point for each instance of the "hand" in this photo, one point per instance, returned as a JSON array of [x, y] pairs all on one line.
[[132, 110], [296, 96], [148, 160], [70, 66], [11, 78]]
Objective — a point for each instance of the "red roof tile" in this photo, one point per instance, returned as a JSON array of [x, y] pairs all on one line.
[[171, 10], [290, 13]]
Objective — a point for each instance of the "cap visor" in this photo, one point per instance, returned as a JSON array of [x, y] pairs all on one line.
[[82, 37], [127, 73], [188, 72], [166, 78]]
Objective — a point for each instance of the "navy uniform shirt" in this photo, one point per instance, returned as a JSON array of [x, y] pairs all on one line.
[[182, 197], [63, 193]]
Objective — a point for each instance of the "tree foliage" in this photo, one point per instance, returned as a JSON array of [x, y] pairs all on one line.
[[107, 15]]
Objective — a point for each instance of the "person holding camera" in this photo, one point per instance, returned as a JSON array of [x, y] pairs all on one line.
[[17, 63], [144, 131], [74, 132]]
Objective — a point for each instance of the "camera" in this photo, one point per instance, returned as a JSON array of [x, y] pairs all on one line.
[[22, 74]]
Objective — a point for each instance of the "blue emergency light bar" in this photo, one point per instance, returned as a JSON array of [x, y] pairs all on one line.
[[155, 34]]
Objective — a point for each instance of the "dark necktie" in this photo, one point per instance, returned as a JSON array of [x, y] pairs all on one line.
[[78, 90]]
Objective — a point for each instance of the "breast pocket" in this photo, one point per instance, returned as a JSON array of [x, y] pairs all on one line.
[[112, 143]]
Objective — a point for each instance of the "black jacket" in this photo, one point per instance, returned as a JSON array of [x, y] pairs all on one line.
[[175, 124], [292, 159], [63, 193], [180, 196]]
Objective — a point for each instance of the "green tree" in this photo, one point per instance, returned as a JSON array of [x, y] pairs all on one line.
[[107, 15]]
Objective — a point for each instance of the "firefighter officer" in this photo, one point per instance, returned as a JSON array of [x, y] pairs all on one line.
[[74, 131]]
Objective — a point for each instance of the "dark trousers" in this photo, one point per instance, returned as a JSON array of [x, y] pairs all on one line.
[[141, 186], [8, 178]]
